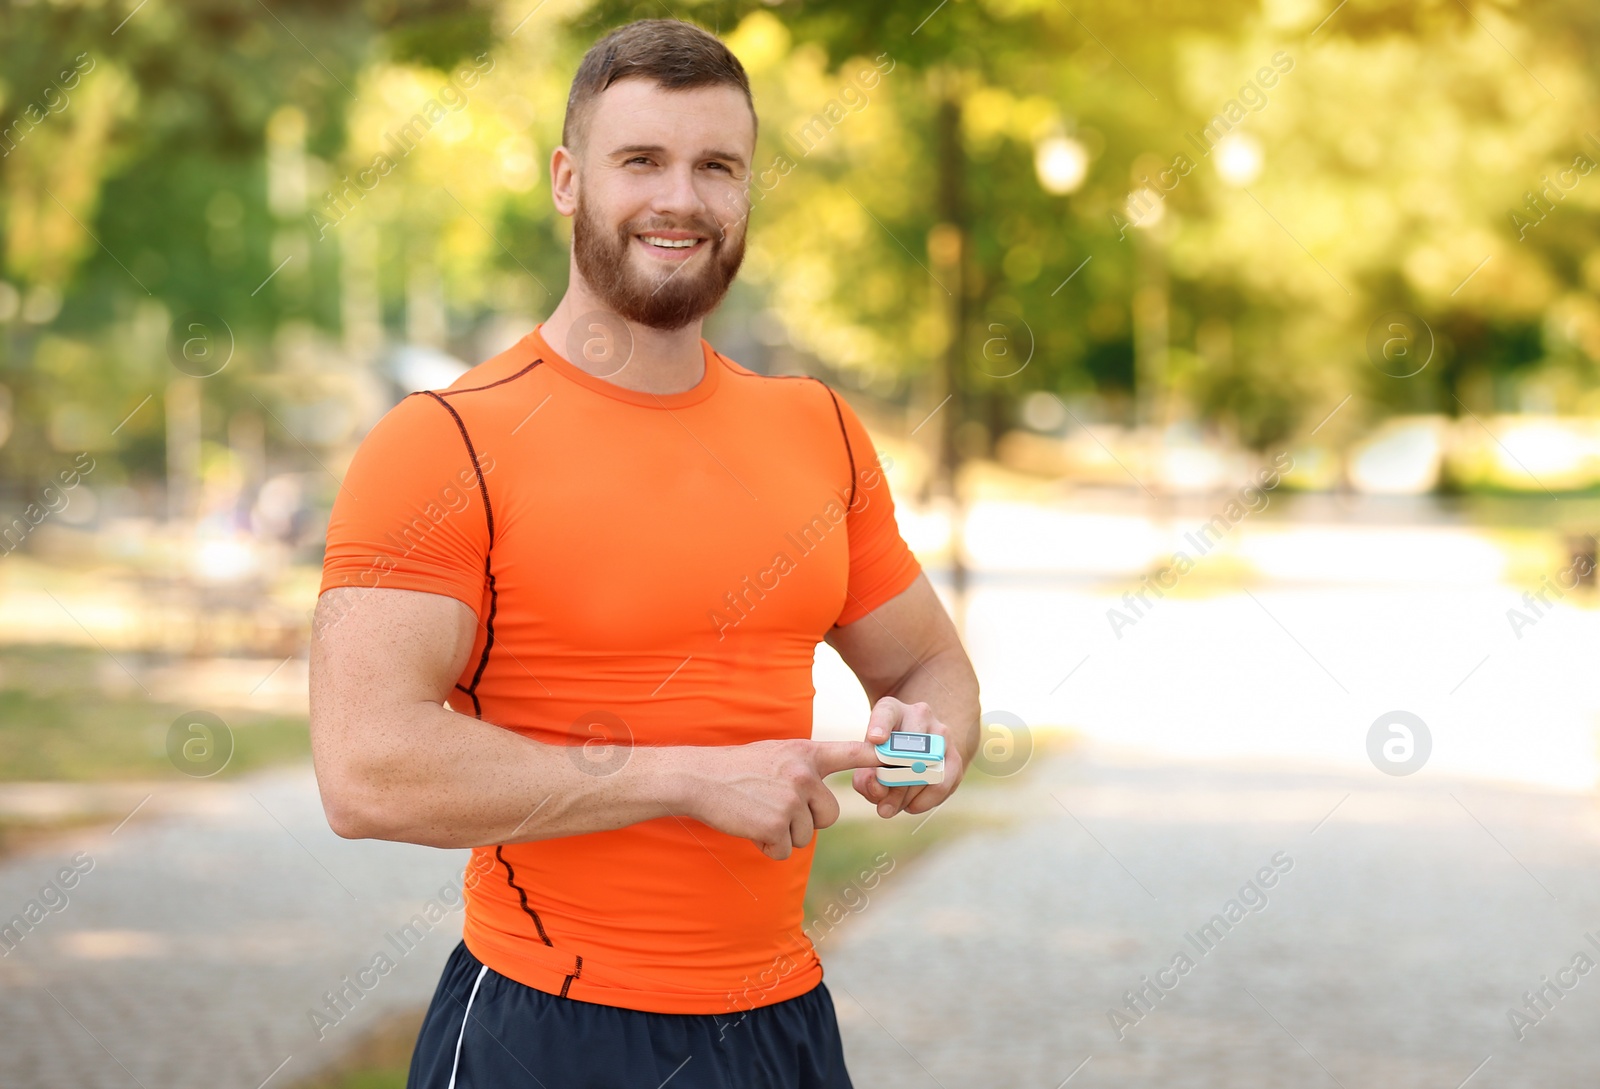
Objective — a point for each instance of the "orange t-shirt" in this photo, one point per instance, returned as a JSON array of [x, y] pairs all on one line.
[[653, 566]]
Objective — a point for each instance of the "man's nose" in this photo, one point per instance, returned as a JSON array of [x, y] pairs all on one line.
[[677, 195]]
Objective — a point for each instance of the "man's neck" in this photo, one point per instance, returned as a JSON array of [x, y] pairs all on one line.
[[660, 361]]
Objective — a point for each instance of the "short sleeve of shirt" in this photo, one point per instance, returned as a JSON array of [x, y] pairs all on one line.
[[410, 513], [881, 563]]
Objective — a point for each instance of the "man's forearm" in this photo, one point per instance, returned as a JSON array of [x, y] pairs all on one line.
[[947, 684], [432, 776]]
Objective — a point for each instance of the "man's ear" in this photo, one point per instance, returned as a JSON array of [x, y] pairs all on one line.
[[564, 181]]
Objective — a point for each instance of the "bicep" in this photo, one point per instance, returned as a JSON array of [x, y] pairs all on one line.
[[886, 645], [376, 650]]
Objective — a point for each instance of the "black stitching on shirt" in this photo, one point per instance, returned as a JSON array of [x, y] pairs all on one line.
[[491, 385], [511, 879], [488, 559], [848, 451]]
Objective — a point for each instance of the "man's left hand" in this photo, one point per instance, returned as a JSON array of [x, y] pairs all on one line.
[[890, 714]]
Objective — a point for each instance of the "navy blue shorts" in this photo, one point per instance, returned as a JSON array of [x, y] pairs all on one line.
[[485, 1031]]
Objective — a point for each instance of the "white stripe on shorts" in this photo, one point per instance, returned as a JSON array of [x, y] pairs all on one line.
[[463, 1033]]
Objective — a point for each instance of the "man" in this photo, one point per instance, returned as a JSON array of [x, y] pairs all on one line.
[[611, 551]]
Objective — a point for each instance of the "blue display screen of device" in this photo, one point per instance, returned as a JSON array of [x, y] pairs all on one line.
[[904, 742]]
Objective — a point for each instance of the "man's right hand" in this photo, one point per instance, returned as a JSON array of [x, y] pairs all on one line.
[[772, 792]]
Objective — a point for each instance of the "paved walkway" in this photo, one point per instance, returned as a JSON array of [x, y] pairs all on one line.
[[203, 934], [1412, 918], [1415, 913]]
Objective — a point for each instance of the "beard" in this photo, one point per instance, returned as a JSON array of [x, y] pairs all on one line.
[[665, 299]]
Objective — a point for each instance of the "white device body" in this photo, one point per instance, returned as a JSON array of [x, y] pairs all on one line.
[[931, 773]]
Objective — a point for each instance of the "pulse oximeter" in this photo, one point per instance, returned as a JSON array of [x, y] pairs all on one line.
[[911, 759]]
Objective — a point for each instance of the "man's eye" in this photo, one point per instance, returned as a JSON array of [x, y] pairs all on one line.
[[637, 159]]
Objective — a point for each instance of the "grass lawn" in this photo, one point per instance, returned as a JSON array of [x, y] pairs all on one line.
[[57, 724], [20, 833], [381, 1059]]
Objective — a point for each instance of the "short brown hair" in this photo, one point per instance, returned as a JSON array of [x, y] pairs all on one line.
[[673, 53]]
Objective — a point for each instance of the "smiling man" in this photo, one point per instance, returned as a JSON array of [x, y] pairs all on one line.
[[568, 616]]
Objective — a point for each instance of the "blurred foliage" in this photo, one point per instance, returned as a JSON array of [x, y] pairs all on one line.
[[136, 187], [60, 722], [198, 166]]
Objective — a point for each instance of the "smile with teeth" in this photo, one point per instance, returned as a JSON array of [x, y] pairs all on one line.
[[671, 243]]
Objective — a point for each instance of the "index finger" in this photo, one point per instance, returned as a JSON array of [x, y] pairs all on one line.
[[831, 756]]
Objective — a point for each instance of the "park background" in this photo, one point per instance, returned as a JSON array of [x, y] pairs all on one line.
[[1094, 274]]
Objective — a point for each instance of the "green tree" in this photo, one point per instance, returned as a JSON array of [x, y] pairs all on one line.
[[135, 187]]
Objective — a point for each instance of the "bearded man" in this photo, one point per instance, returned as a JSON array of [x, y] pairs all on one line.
[[567, 619]]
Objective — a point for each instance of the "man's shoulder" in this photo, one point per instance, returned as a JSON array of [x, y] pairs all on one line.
[[804, 391], [462, 413], [499, 370], [825, 414]]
